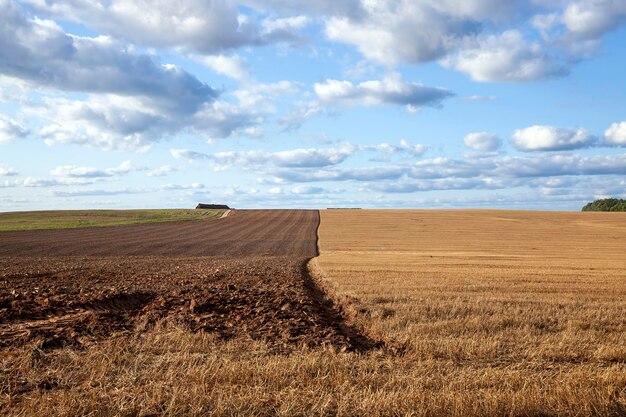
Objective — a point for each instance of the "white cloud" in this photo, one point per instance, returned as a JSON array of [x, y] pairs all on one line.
[[188, 155], [581, 24], [105, 122], [491, 172], [206, 27], [391, 90], [318, 7], [285, 23], [6, 171], [549, 138], [482, 141], [132, 100], [295, 158], [311, 157], [255, 96], [130, 123], [36, 182], [592, 19], [406, 147], [40, 52], [506, 58], [300, 114], [98, 192], [346, 174], [11, 129], [275, 190], [563, 164], [73, 171], [306, 189], [230, 66], [615, 135], [176, 187], [161, 171], [393, 31], [220, 120]]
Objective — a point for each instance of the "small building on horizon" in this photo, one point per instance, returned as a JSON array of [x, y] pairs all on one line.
[[212, 206]]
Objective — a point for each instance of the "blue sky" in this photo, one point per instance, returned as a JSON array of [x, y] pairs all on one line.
[[277, 103]]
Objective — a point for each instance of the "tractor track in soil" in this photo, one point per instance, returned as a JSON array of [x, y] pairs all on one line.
[[244, 275]]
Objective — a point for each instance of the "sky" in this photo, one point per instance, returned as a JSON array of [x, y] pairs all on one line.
[[111, 104]]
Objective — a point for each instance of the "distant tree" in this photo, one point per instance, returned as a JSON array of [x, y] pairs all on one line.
[[606, 204]]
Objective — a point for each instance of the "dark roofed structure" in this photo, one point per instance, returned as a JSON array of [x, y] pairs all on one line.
[[212, 206]]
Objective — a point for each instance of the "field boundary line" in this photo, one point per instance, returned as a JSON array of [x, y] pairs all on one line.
[[341, 309]]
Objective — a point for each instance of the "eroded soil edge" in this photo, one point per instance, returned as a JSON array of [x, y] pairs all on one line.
[[338, 312]]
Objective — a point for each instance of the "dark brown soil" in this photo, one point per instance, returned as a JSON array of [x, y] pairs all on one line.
[[243, 233], [242, 276]]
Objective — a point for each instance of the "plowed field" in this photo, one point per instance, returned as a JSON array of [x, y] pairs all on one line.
[[243, 233], [240, 276]]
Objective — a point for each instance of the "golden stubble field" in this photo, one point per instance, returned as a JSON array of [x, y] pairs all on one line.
[[502, 312]]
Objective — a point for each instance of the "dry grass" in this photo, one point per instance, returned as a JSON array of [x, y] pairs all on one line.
[[171, 372], [504, 313], [500, 296]]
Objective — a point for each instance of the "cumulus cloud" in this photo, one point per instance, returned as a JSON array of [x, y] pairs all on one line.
[[300, 114], [391, 90], [388, 32], [73, 171], [592, 19], [615, 135], [391, 32], [162, 171], [405, 147], [132, 124], [6, 171], [11, 129], [188, 155], [105, 122], [318, 8], [230, 66], [567, 164], [437, 185], [494, 172], [482, 141], [311, 157], [132, 100], [299, 158], [220, 120], [345, 174], [506, 58], [256, 95], [306, 190], [40, 52], [550, 138], [207, 27]]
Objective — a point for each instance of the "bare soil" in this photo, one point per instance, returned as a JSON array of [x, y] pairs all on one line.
[[243, 276]]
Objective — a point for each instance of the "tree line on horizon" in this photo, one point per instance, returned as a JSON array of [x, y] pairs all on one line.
[[606, 204]]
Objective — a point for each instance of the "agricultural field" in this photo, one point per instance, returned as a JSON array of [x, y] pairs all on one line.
[[64, 219], [307, 313], [501, 312]]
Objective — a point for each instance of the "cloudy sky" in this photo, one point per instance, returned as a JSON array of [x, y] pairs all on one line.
[[293, 103]]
